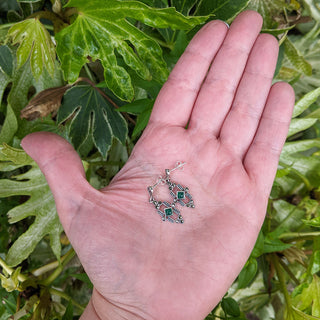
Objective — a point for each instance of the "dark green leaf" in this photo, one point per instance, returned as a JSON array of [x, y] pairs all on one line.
[[83, 277], [10, 126], [68, 315], [137, 106], [222, 9], [258, 247], [6, 60], [92, 115], [248, 273], [184, 6], [142, 121], [274, 245], [230, 306]]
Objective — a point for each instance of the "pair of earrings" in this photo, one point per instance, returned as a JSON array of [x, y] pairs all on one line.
[[180, 195]]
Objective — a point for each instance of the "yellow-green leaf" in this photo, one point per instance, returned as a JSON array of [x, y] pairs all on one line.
[[34, 43], [100, 30]]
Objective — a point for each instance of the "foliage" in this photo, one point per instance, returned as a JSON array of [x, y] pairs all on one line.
[[91, 72]]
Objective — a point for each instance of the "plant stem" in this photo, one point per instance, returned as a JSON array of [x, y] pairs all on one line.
[[44, 269], [54, 275], [289, 272], [66, 297], [283, 286], [9, 270], [298, 236], [88, 71]]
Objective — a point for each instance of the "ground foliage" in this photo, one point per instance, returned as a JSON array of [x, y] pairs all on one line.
[[121, 56]]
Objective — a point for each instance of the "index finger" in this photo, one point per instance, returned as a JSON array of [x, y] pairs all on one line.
[[177, 96]]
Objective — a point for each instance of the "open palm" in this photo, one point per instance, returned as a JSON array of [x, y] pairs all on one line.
[[146, 268]]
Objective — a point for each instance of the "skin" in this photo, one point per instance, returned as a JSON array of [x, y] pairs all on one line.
[[142, 267]]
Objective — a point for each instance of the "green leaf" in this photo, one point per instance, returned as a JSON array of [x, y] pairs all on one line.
[[92, 115], [183, 6], [100, 30], [68, 315], [298, 125], [309, 297], [40, 204], [6, 60], [315, 222], [271, 10], [230, 306], [291, 148], [315, 268], [258, 247], [143, 109], [313, 9], [305, 102], [272, 244], [142, 121], [34, 42], [224, 10], [137, 106], [287, 216], [84, 278], [10, 126], [296, 59], [248, 273]]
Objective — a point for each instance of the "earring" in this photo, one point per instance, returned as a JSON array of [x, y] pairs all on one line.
[[180, 194], [166, 210]]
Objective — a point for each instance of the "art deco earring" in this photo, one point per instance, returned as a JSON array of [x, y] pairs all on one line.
[[180, 194]]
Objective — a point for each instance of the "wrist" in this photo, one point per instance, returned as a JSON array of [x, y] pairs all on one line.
[[100, 308]]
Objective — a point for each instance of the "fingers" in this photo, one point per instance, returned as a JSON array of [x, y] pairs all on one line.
[[62, 168], [262, 157], [218, 90], [176, 99], [243, 118]]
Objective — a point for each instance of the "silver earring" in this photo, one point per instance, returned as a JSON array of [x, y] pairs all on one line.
[[180, 194]]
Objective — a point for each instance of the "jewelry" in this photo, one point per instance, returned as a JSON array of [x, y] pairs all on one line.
[[180, 194]]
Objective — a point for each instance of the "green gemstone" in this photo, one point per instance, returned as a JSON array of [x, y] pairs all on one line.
[[168, 211], [180, 195]]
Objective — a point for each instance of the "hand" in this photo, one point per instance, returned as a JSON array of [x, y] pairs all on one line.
[[142, 267]]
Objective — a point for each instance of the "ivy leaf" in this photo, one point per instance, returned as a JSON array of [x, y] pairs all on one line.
[[35, 42], [99, 30], [40, 204], [93, 115]]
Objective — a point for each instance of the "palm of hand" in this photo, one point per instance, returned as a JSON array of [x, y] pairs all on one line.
[[135, 260]]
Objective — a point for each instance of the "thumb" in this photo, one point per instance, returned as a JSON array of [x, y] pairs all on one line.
[[62, 168]]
